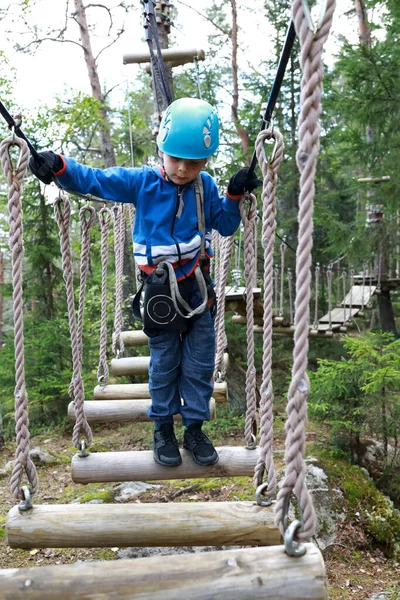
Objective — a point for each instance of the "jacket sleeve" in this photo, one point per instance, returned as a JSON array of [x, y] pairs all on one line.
[[116, 183], [222, 213]]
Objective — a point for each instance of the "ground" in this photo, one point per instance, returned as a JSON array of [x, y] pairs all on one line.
[[354, 569]]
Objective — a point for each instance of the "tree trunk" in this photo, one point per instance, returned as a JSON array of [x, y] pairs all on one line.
[[242, 133], [107, 148], [386, 314]]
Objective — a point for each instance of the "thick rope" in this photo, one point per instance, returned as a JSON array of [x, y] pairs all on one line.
[[225, 251], [281, 295], [62, 210], [311, 44], [105, 217], [87, 216], [248, 214], [14, 177], [269, 168], [118, 346]]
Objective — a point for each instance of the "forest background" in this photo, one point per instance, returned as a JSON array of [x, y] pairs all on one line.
[[104, 115]]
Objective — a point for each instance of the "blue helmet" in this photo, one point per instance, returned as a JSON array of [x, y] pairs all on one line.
[[189, 129]]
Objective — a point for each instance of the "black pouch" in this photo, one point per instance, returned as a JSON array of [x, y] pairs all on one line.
[[158, 310]]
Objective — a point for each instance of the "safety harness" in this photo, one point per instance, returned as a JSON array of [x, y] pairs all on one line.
[[161, 302]]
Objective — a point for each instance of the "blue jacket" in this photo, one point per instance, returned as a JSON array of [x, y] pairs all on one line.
[[166, 227]]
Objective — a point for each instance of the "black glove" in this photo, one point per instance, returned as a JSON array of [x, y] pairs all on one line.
[[51, 163], [241, 183]]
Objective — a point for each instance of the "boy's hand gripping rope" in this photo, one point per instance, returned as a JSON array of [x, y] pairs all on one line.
[[311, 44], [14, 178], [269, 168]]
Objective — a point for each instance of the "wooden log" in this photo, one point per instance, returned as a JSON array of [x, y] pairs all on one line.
[[124, 525], [174, 54], [131, 365], [139, 365], [134, 338], [131, 391], [239, 574], [139, 465], [120, 411]]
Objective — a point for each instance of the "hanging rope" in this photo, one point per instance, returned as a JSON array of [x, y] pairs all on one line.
[[225, 251], [311, 44], [329, 278], [62, 210], [290, 286], [118, 346], [269, 168], [248, 214], [14, 176], [281, 295], [315, 324], [105, 217], [87, 217]]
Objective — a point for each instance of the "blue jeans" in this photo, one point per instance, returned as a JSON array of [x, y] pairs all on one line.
[[181, 369]]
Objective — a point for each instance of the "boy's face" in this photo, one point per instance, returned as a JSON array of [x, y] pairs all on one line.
[[182, 170]]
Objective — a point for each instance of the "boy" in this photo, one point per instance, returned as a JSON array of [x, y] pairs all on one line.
[[167, 231]]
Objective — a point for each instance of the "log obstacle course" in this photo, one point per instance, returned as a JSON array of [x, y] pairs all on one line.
[[282, 573], [239, 574]]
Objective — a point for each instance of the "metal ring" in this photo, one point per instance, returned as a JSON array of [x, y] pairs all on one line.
[[293, 548], [253, 444], [83, 453], [26, 503], [260, 498]]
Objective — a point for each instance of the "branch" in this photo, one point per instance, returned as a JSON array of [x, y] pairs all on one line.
[[203, 16]]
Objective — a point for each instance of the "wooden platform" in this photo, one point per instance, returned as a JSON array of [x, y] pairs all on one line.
[[359, 295]]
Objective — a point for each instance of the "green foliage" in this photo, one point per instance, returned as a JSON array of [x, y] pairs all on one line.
[[350, 393]]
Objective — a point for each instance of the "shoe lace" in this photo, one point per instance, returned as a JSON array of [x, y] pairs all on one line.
[[167, 437], [199, 436]]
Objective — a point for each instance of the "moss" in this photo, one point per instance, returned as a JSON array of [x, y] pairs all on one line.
[[106, 496], [375, 512]]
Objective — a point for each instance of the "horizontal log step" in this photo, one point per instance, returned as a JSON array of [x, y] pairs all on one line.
[[134, 338], [120, 411], [139, 465], [130, 391], [125, 525], [139, 365], [239, 574]]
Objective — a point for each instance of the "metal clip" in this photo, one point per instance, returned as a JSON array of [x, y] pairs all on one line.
[[260, 498], [26, 503]]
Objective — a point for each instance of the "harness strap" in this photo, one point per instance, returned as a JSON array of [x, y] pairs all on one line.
[[199, 192]]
